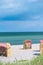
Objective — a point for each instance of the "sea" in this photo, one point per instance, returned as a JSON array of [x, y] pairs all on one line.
[[18, 38]]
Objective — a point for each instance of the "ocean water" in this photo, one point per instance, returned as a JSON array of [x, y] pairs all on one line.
[[17, 38]]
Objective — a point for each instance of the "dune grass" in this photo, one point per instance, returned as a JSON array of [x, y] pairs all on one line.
[[1, 63], [36, 61]]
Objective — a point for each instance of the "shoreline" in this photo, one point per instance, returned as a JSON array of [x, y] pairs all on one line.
[[18, 53]]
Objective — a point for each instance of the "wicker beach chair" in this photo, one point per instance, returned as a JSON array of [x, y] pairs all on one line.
[[5, 49], [41, 47], [27, 44]]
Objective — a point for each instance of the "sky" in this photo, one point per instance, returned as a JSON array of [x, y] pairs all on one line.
[[21, 15]]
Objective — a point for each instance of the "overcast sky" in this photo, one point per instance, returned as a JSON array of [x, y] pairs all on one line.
[[21, 15]]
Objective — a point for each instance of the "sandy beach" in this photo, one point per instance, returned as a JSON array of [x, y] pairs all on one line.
[[18, 53]]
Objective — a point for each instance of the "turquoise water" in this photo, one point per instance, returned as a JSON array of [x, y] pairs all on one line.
[[18, 38]]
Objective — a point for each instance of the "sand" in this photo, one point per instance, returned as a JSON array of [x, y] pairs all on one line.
[[18, 53]]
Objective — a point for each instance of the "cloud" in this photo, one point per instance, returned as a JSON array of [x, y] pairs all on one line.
[[17, 26], [32, 0], [23, 24], [38, 17], [20, 9], [21, 15], [10, 7]]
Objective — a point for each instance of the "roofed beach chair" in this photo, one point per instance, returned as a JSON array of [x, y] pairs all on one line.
[[41, 47], [5, 49], [27, 44]]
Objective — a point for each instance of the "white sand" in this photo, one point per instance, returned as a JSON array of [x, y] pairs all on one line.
[[19, 54]]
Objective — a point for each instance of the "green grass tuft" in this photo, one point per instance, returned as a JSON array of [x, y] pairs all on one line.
[[36, 61], [1, 63]]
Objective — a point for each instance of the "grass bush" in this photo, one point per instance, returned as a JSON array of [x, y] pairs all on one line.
[[36, 61], [1, 63]]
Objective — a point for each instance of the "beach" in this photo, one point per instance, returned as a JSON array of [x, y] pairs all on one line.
[[18, 53]]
